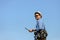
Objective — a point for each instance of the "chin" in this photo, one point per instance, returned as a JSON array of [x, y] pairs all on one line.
[[37, 19]]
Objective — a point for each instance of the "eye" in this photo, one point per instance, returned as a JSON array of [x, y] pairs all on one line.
[[36, 15]]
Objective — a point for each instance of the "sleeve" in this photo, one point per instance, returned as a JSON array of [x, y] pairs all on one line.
[[43, 26]]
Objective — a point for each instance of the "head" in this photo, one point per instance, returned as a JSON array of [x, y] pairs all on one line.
[[38, 15]]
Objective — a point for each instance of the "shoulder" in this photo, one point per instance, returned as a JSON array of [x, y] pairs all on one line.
[[41, 22]]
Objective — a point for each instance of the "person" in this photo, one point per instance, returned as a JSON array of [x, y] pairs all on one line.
[[40, 27]]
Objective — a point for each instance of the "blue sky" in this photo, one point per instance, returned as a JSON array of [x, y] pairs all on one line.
[[15, 15]]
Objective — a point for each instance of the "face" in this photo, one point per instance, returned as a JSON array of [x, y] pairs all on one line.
[[37, 17]]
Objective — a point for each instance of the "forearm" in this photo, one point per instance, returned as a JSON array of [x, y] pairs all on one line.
[[32, 30]]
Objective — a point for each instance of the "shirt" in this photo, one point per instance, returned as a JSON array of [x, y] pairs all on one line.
[[40, 25]]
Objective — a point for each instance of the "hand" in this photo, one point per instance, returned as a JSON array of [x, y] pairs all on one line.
[[30, 30]]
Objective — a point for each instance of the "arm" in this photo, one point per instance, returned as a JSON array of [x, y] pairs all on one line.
[[32, 30]]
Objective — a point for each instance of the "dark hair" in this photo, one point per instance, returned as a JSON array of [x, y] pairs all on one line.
[[38, 13]]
